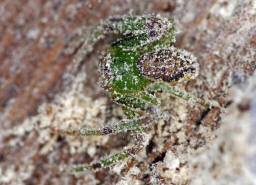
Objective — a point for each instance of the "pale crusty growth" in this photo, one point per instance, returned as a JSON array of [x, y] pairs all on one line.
[[220, 33], [170, 65]]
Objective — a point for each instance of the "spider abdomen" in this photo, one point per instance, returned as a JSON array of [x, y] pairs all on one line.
[[169, 65]]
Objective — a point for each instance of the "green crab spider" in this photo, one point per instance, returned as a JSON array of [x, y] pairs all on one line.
[[138, 63]]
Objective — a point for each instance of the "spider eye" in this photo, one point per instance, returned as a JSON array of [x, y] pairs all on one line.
[[169, 65]]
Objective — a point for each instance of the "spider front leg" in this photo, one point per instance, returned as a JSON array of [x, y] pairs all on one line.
[[112, 159], [132, 104], [178, 93], [138, 103]]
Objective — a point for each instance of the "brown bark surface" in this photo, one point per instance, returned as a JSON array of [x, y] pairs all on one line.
[[33, 62]]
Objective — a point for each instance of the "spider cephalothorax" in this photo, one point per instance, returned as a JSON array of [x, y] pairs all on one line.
[[138, 63]]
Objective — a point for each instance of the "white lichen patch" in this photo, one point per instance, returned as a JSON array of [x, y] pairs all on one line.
[[130, 181], [224, 8], [72, 110], [10, 175], [33, 33], [171, 161]]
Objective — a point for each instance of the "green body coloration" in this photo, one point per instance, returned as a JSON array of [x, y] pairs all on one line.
[[146, 39], [127, 85]]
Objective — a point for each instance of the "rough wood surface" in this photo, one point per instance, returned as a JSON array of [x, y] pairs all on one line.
[[35, 33]]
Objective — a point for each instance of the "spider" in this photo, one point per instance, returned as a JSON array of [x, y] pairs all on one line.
[[140, 62]]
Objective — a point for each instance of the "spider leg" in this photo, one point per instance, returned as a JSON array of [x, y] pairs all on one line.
[[112, 159], [138, 102], [88, 39], [178, 93], [134, 125], [131, 104]]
